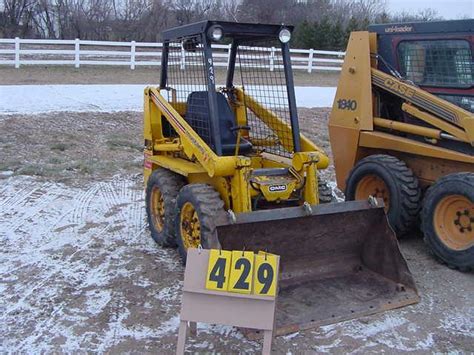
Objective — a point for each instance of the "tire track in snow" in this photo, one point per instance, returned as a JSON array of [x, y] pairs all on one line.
[[79, 213], [50, 322], [18, 195], [63, 225], [22, 212], [82, 205], [49, 235]]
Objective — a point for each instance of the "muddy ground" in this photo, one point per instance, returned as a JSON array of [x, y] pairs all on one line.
[[80, 273], [32, 75]]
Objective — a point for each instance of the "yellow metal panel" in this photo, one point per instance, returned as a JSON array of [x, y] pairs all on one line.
[[178, 165], [428, 170], [240, 191], [390, 142], [352, 105], [468, 123], [352, 110], [344, 144]]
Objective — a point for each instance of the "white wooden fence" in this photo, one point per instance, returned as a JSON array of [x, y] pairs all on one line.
[[78, 52]]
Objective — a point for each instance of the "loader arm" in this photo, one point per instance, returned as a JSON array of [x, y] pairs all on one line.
[[193, 146], [281, 129], [434, 110]]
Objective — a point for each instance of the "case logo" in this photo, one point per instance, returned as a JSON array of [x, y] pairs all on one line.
[[400, 88]]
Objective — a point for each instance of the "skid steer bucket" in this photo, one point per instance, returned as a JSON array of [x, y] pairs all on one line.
[[338, 261]]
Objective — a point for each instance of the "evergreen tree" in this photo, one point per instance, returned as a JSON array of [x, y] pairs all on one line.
[[304, 35], [353, 25], [336, 37], [324, 34]]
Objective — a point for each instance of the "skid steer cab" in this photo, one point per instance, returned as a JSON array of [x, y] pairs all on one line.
[[227, 167]]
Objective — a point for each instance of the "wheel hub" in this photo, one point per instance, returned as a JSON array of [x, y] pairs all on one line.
[[157, 209], [190, 226], [464, 221], [454, 222], [372, 185]]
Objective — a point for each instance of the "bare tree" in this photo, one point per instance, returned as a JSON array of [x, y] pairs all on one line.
[[17, 17], [318, 22]]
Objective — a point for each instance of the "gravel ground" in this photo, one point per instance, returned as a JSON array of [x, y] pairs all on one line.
[[80, 273]]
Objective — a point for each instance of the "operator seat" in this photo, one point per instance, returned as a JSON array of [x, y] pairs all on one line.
[[197, 115]]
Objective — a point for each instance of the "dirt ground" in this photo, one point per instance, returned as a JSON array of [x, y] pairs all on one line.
[[80, 273], [31, 75]]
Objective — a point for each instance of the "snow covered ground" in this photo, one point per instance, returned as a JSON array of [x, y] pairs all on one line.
[[79, 273], [26, 99]]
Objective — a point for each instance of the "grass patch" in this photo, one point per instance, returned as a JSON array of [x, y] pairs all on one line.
[[119, 142], [59, 146], [55, 160]]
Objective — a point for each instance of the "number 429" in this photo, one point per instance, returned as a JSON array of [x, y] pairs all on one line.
[[242, 272]]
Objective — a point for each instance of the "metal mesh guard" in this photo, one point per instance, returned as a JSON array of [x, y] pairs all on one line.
[[263, 77], [187, 74]]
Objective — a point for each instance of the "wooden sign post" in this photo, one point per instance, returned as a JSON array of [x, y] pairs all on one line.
[[237, 289]]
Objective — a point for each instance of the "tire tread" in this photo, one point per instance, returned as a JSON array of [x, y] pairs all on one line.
[[170, 183], [409, 188], [461, 178]]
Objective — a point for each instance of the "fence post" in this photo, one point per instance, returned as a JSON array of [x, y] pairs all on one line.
[[310, 60], [132, 55], [182, 65], [272, 59], [17, 52], [77, 59]]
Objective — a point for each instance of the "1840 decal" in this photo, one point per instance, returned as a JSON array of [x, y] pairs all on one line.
[[343, 104]]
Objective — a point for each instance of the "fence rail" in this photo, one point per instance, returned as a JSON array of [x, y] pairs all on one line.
[[18, 51]]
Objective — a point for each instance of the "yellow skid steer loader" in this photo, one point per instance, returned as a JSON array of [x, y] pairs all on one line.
[[227, 167]]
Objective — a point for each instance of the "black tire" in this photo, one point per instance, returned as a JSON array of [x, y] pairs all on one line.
[[459, 184], [168, 184], [209, 208], [404, 193], [325, 192]]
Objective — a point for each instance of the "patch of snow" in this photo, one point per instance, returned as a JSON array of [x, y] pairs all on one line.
[[462, 323], [6, 173], [290, 336], [97, 300], [337, 194], [114, 98]]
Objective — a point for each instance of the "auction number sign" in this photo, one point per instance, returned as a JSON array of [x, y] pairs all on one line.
[[242, 272]]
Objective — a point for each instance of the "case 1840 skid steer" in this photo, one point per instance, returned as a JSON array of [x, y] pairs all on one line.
[[226, 167], [403, 109]]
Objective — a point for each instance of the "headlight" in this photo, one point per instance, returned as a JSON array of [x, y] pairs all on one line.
[[284, 35], [216, 33]]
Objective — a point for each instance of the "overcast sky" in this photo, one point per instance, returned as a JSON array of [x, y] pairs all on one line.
[[449, 9]]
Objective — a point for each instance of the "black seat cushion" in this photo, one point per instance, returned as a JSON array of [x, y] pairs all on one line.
[[197, 115]]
